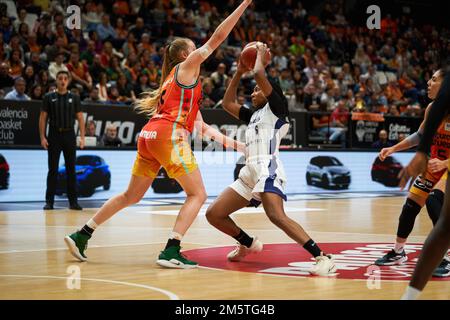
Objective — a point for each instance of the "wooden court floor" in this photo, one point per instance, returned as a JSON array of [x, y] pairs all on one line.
[[34, 263]]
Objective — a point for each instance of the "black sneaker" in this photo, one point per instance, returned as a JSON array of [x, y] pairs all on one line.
[[443, 270], [75, 206], [392, 258], [48, 206]]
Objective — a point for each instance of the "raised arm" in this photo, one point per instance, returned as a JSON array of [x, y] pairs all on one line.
[[192, 64], [229, 99], [260, 70]]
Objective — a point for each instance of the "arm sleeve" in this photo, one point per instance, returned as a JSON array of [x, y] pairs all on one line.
[[438, 111], [278, 104], [245, 114]]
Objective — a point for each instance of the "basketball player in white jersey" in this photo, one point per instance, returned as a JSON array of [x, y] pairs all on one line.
[[262, 179]]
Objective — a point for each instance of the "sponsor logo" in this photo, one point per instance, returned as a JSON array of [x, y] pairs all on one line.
[[148, 134], [352, 260]]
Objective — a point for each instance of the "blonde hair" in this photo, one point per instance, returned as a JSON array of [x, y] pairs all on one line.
[[148, 102]]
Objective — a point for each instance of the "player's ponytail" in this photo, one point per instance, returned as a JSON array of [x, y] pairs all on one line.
[[148, 102]]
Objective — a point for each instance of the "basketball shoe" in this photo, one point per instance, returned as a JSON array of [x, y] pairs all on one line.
[[324, 265], [443, 270], [241, 251], [392, 258], [77, 244], [173, 258]]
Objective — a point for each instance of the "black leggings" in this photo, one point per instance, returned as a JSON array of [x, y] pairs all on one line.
[[435, 246]]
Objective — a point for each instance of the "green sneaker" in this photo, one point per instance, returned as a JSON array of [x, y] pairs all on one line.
[[173, 258], [77, 244]]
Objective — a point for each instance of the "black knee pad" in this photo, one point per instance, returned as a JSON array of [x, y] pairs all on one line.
[[434, 204], [407, 218]]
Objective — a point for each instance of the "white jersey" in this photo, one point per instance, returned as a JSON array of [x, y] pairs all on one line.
[[263, 171]]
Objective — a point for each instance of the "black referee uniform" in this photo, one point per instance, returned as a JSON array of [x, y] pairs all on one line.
[[61, 110]]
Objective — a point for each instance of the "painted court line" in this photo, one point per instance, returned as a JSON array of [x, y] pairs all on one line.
[[170, 295]]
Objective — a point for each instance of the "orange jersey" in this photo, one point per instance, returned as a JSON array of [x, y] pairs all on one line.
[[178, 103], [441, 142]]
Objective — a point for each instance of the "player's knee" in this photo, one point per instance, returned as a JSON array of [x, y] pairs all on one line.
[[132, 198], [434, 204], [277, 217], [407, 218], [211, 215]]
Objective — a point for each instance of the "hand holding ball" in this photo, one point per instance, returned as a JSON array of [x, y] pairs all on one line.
[[249, 53]]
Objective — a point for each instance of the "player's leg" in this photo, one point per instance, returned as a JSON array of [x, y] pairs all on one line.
[[171, 256], [273, 206], [434, 204], [218, 215], [435, 246], [77, 242], [414, 202], [143, 173], [181, 165]]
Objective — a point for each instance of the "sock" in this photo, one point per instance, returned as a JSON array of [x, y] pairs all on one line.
[[89, 228], [172, 243], [399, 247], [244, 239], [411, 293], [312, 248]]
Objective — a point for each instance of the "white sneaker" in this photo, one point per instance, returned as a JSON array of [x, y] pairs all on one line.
[[324, 266], [241, 251]]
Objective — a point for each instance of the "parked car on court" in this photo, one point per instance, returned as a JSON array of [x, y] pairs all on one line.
[[386, 172], [327, 172], [4, 173], [92, 172]]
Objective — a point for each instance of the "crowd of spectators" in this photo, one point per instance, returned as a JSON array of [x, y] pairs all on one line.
[[322, 62]]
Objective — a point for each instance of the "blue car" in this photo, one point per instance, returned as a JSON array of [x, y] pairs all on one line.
[[92, 172]]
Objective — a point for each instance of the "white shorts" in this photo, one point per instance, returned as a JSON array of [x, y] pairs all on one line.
[[250, 184]]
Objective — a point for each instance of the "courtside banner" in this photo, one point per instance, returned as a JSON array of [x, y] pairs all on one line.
[[103, 173]]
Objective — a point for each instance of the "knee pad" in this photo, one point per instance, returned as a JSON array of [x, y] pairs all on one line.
[[407, 218], [434, 204]]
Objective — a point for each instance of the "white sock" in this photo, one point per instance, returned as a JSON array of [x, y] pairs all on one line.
[[399, 246], [91, 224], [411, 293], [175, 235]]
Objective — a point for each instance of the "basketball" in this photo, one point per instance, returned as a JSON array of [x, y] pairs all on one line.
[[248, 55]]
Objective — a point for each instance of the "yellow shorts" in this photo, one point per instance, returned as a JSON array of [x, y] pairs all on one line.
[[159, 145], [424, 184]]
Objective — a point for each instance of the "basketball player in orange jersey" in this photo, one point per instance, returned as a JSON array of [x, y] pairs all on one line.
[[164, 142], [426, 189]]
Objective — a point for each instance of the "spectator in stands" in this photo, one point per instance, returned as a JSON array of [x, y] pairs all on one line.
[[29, 77], [105, 30], [56, 66], [36, 92], [91, 130], [19, 91], [382, 141], [79, 72], [322, 124], [88, 55], [110, 138], [340, 115], [103, 87], [16, 64], [93, 96], [126, 93], [114, 96], [6, 81]]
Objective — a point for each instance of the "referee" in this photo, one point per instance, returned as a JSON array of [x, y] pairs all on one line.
[[60, 109]]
